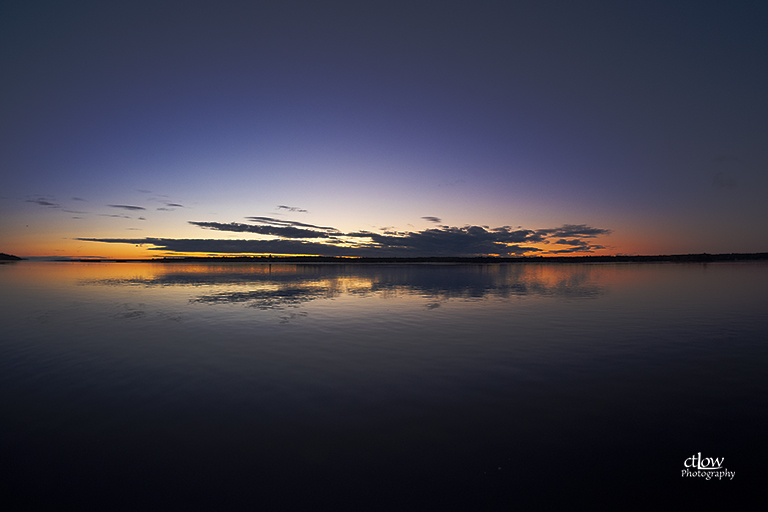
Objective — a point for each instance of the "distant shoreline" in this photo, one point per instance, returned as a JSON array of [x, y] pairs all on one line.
[[675, 258]]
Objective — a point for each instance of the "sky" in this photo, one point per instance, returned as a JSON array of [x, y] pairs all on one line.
[[514, 128]]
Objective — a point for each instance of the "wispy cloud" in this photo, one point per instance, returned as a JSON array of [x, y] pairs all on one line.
[[574, 241], [436, 220], [126, 207], [280, 231], [574, 230], [581, 248], [42, 201], [167, 206], [280, 222], [292, 209]]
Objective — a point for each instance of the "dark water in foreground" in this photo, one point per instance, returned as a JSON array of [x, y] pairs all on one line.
[[402, 387]]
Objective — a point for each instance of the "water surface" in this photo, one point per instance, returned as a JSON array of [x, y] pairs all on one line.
[[415, 387]]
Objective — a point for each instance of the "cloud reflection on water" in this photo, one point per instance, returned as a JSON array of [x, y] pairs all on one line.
[[280, 286]]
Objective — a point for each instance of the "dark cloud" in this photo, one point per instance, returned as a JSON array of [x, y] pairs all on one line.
[[296, 238], [277, 246], [126, 207], [43, 202], [281, 231], [453, 241], [573, 230], [299, 238], [462, 243], [574, 241], [78, 199], [291, 209], [436, 220], [581, 248], [174, 205], [280, 222], [114, 215]]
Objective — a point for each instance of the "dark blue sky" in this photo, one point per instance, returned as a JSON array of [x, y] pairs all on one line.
[[647, 120]]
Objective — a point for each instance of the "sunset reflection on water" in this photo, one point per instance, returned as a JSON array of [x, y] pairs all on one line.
[[375, 376]]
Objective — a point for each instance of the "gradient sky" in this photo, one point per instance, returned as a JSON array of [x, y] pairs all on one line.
[[383, 128]]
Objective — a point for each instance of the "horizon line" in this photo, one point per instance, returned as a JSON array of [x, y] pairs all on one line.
[[689, 257]]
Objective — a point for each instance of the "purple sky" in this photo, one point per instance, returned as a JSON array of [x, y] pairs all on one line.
[[413, 127]]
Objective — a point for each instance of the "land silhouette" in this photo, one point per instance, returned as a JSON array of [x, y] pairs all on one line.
[[678, 258]]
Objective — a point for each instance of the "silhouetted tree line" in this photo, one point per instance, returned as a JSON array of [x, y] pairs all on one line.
[[679, 258]]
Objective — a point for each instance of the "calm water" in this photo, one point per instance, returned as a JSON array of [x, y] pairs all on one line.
[[402, 387]]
